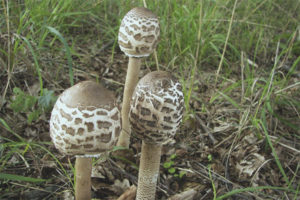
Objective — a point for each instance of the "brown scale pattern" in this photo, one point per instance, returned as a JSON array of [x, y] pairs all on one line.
[[84, 131], [139, 32], [62, 133], [155, 114]]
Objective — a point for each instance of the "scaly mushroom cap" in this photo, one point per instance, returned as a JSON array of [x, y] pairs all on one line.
[[139, 32], [85, 120], [156, 107]]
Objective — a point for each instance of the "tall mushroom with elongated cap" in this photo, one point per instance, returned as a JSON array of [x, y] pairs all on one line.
[[138, 37], [85, 122], [155, 114]]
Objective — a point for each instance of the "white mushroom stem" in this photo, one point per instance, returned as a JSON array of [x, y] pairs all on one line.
[[83, 168], [132, 78], [148, 171]]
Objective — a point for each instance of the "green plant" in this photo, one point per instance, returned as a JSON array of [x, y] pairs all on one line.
[[9, 147], [209, 157], [33, 106], [14, 177], [68, 52], [169, 165]]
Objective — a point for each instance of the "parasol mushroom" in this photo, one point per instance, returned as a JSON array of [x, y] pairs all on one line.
[[85, 122], [155, 114]]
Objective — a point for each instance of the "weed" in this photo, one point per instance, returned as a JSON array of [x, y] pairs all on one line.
[[169, 165], [20, 178], [210, 158], [31, 105]]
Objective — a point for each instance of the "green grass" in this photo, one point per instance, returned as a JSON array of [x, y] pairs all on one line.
[[20, 178], [247, 54]]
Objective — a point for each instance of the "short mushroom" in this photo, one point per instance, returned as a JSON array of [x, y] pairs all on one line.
[[155, 114], [85, 122], [138, 37]]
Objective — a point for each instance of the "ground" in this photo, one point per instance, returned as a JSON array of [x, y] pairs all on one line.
[[239, 136]]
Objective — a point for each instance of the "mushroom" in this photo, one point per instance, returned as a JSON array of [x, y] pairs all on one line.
[[155, 114], [85, 122], [138, 37]]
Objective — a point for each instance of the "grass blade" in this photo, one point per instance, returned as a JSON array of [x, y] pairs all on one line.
[[10, 130], [251, 189], [263, 124], [235, 104], [36, 63], [13, 177], [56, 160], [68, 52]]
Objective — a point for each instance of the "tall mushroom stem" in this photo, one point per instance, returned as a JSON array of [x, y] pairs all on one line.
[[148, 171], [132, 78], [83, 168], [138, 37]]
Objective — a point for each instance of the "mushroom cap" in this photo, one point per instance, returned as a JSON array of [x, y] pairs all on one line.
[[85, 120], [139, 32], [156, 107]]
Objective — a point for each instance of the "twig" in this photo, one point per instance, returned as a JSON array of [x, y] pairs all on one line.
[[186, 195], [275, 139], [206, 129], [129, 194]]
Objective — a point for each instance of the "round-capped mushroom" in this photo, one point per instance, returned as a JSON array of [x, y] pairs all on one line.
[[138, 37], [155, 115], [139, 32], [85, 122]]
